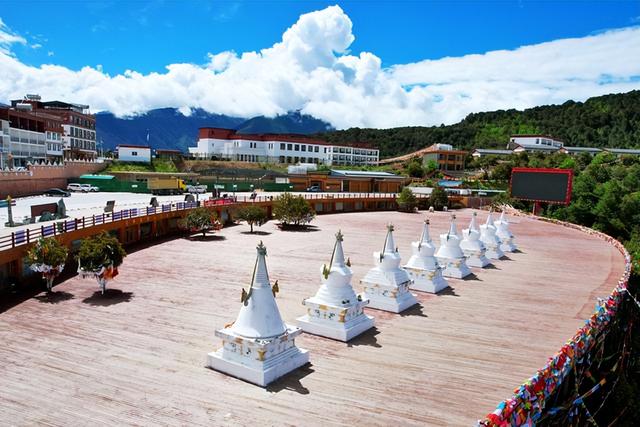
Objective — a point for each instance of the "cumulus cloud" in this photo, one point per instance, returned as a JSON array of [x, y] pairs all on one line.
[[311, 69]]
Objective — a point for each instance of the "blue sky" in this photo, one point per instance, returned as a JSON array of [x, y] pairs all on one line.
[[148, 35], [355, 63]]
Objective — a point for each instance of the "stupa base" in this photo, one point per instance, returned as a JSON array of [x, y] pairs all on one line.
[[430, 281], [478, 261], [508, 247], [395, 304], [335, 330], [454, 268], [494, 253], [287, 361]]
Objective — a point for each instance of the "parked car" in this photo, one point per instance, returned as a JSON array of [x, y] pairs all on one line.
[[76, 187], [57, 192], [89, 188], [200, 189], [315, 188]]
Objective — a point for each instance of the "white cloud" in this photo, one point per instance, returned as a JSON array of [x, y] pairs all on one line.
[[7, 38], [36, 46], [311, 69]]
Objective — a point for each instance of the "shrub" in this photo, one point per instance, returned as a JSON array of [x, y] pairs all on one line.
[[252, 215], [200, 220], [294, 210], [407, 201], [438, 198]]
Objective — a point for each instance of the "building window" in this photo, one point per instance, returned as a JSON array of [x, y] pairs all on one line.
[[289, 147], [282, 145], [304, 148], [316, 148], [297, 147], [134, 153]]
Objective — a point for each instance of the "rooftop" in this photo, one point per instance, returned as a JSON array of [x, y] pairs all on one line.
[[623, 150], [231, 134], [137, 355], [364, 174], [492, 151]]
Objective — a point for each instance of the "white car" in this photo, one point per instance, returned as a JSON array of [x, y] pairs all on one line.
[[76, 187], [89, 188]]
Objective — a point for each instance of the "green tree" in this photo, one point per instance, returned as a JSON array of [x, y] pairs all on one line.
[[292, 210], [100, 256], [438, 198], [407, 201], [47, 256], [99, 251], [252, 215], [414, 168], [200, 220]]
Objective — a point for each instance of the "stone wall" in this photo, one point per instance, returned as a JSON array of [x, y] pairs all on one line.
[[41, 177]]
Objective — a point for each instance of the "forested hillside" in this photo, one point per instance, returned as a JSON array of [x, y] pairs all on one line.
[[604, 121]]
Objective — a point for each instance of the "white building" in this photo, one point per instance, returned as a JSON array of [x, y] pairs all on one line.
[[216, 143], [532, 143], [134, 153]]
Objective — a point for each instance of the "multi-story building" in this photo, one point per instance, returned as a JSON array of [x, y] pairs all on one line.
[[445, 156], [78, 125], [23, 137], [216, 143]]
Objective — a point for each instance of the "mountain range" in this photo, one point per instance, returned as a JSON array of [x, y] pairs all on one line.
[[168, 128]]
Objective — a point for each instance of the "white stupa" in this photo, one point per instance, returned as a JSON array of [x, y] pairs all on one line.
[[423, 267], [336, 311], [504, 234], [472, 246], [258, 347], [490, 239], [450, 255], [387, 285]]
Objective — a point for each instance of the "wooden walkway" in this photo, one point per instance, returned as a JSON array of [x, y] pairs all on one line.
[[137, 355]]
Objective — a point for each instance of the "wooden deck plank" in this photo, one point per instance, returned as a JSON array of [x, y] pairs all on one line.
[[137, 356]]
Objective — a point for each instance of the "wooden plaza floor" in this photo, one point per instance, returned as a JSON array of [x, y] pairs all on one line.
[[137, 355]]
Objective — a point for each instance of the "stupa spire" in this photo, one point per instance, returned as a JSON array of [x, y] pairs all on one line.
[[424, 237], [473, 225], [337, 258], [490, 219], [389, 243], [261, 275], [453, 231]]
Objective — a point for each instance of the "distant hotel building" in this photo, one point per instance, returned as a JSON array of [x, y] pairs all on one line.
[[534, 143], [445, 156], [33, 130], [216, 143]]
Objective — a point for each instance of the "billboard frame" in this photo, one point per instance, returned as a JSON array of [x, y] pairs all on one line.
[[568, 172]]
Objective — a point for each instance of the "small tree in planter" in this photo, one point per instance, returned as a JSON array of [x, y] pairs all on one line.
[[438, 198], [47, 257], [99, 257], [252, 215], [200, 220], [292, 210], [407, 201]]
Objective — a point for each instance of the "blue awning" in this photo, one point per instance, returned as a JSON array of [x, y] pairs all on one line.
[[448, 183]]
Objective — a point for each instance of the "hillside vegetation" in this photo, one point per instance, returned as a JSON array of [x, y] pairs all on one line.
[[604, 121]]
